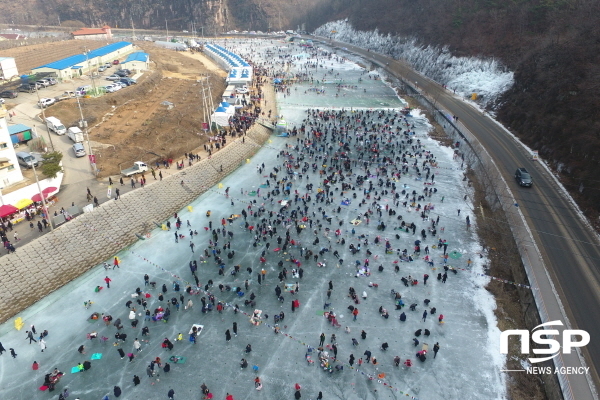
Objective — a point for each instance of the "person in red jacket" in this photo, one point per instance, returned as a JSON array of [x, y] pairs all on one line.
[[355, 313]]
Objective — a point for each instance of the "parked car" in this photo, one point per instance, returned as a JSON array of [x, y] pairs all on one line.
[[116, 62], [108, 64], [25, 159], [52, 81], [84, 88], [43, 82], [122, 73], [130, 81], [102, 68], [242, 90], [118, 85], [110, 88], [523, 178], [27, 88], [123, 82], [79, 150], [9, 94], [45, 102], [113, 77]]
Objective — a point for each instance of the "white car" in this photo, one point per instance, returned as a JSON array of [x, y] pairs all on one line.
[[242, 90], [113, 77], [45, 102], [110, 88], [102, 68]]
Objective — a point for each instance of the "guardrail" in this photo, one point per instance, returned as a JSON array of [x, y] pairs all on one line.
[[480, 159], [504, 198]]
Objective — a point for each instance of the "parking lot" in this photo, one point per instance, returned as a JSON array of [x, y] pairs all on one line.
[[25, 110]]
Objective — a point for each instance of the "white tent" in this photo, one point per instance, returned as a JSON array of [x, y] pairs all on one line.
[[229, 109], [221, 117]]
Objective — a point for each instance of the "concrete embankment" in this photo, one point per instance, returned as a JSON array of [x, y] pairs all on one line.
[[56, 258]]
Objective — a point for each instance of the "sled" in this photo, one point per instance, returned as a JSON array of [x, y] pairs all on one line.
[[96, 356], [43, 388], [425, 347], [75, 370], [178, 359], [198, 327], [256, 320], [98, 317]]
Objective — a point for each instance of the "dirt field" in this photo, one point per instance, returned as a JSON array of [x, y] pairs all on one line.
[[28, 57], [132, 124]]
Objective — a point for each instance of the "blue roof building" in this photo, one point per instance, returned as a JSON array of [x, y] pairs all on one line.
[[79, 64], [138, 61]]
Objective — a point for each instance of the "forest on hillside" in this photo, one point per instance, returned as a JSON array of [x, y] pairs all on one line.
[[552, 45]]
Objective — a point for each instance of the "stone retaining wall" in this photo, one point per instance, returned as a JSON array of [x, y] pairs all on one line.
[[56, 258]]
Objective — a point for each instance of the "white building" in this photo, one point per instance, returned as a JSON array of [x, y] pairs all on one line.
[[138, 61], [93, 33], [8, 68], [9, 167]]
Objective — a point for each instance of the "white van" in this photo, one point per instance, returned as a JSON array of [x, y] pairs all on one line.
[[75, 134], [55, 125], [79, 150]]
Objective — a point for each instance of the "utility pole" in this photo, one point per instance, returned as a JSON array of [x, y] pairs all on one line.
[[42, 196], [133, 29], [207, 100], [83, 124], [167, 26], [44, 115], [87, 58]]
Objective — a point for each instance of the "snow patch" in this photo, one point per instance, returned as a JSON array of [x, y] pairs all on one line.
[[486, 77]]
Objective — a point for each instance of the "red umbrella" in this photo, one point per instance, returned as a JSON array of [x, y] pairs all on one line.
[[36, 197], [49, 190], [7, 209]]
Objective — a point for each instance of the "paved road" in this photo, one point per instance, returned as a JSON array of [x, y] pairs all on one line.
[[570, 250]]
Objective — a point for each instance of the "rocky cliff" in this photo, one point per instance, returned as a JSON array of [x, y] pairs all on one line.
[[214, 15]]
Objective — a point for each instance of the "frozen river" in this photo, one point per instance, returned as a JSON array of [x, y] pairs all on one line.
[[468, 363]]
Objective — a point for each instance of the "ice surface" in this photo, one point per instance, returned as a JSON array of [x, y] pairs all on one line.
[[469, 363], [486, 77]]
